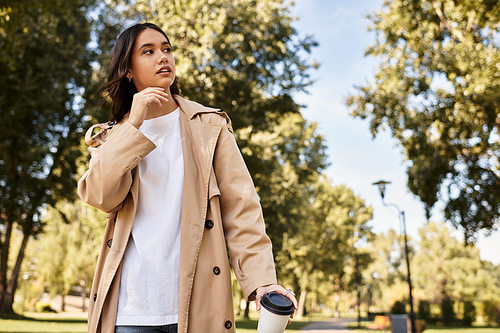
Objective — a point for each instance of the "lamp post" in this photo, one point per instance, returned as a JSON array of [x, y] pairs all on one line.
[[381, 187]]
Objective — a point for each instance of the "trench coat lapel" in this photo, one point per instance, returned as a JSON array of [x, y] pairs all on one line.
[[198, 145]]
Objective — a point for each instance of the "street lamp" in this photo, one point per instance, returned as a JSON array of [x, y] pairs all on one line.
[[381, 187]]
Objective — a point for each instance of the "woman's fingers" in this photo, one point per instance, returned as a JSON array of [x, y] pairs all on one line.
[[261, 291], [160, 98], [257, 301], [276, 288], [158, 95], [143, 100]]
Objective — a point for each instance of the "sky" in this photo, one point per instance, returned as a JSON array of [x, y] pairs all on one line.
[[357, 159]]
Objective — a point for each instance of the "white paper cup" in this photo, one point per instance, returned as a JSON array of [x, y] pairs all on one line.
[[274, 314]]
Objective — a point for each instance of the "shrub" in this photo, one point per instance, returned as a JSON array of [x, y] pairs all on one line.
[[447, 312], [424, 310], [419, 325], [43, 307], [490, 312], [398, 308], [469, 313]]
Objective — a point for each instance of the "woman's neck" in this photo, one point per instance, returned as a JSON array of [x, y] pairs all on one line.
[[155, 110]]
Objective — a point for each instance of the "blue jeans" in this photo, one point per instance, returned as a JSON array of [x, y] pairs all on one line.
[[147, 329]]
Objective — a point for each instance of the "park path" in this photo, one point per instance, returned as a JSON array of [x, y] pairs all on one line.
[[334, 325]]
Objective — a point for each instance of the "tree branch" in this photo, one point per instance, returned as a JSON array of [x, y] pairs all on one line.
[[447, 24]]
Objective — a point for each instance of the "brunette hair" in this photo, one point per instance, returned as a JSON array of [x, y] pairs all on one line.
[[118, 87]]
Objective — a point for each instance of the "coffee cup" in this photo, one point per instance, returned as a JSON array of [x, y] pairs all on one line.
[[274, 314]]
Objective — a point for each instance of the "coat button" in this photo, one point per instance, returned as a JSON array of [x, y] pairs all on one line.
[[216, 270], [228, 324], [110, 242], [95, 297], [209, 224]]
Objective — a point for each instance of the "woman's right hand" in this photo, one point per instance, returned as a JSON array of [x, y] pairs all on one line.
[[141, 102]]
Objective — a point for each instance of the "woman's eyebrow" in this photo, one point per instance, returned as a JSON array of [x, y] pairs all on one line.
[[152, 44]]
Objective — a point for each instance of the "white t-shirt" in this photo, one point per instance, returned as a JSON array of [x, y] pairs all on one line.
[[149, 286]]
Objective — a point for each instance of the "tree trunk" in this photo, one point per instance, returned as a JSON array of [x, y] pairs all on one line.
[[63, 302], [8, 295], [337, 302], [358, 292], [302, 302], [4, 259], [247, 310], [84, 292]]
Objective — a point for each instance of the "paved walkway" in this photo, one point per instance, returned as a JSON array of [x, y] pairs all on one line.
[[334, 325]]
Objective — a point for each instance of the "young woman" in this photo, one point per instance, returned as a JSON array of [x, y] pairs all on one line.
[[178, 195]]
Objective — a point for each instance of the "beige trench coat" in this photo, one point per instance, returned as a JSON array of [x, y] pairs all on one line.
[[220, 212]]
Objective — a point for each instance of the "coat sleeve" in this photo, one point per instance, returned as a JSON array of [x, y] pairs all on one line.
[[249, 247], [107, 182]]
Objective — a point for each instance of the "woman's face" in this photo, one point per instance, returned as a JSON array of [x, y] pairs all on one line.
[[153, 64]]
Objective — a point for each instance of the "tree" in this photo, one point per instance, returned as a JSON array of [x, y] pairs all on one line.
[[329, 246], [490, 289], [447, 311], [64, 256], [445, 268], [285, 160], [386, 275], [45, 64], [242, 56], [469, 313], [437, 89], [286, 179]]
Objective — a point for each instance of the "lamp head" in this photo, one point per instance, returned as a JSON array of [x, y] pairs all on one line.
[[381, 187]]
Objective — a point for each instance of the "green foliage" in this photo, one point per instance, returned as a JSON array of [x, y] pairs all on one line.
[[442, 267], [437, 89], [386, 275], [241, 55], [490, 290], [424, 310], [45, 65], [446, 267], [65, 255], [447, 311], [328, 250], [285, 161], [491, 314], [398, 308], [469, 315]]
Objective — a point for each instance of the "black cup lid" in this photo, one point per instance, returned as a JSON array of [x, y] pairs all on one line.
[[277, 304]]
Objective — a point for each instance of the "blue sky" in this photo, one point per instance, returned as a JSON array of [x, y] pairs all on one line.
[[356, 159]]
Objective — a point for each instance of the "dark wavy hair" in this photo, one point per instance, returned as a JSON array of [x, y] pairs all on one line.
[[118, 87]]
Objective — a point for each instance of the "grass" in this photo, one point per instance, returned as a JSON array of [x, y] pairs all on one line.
[[250, 325], [435, 329], [430, 329], [77, 323], [45, 323]]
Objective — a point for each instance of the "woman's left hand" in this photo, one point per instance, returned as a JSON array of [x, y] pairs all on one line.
[[261, 291]]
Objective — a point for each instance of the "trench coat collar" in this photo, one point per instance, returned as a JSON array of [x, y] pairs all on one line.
[[190, 108]]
